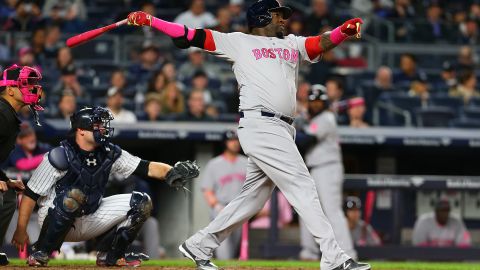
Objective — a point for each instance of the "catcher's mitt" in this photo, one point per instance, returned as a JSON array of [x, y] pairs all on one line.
[[181, 173]]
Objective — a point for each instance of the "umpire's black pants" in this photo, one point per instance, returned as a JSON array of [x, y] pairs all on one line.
[[7, 208]]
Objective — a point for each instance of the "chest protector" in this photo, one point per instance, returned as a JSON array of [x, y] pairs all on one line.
[[87, 173]]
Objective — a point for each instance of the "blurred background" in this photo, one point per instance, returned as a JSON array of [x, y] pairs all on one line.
[[405, 97]]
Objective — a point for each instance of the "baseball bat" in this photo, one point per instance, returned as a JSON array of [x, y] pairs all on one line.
[[89, 35]]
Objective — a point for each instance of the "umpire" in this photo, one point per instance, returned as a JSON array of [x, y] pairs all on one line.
[[18, 88]]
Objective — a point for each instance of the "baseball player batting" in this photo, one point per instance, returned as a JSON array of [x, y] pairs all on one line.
[[69, 185], [324, 159], [265, 64]]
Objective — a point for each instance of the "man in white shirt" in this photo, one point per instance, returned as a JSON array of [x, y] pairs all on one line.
[[196, 16], [115, 105]]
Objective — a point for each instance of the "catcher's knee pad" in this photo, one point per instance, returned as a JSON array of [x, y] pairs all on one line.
[[55, 228], [73, 200], [140, 207]]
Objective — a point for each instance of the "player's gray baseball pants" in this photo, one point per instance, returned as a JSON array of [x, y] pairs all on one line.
[[329, 182], [273, 160]]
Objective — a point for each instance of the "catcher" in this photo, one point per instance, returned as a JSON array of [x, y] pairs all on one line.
[[69, 185]]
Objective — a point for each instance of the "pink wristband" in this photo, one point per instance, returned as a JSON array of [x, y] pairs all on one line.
[[336, 36], [173, 30]]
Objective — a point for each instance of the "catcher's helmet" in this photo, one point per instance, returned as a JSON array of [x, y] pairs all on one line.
[[96, 119], [258, 14], [230, 135], [352, 202], [317, 92]]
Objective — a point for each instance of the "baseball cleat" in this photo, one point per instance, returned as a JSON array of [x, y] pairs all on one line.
[[38, 259], [201, 264], [3, 259], [353, 265]]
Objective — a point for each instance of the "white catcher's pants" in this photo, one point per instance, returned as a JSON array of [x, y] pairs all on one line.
[[112, 211], [273, 159]]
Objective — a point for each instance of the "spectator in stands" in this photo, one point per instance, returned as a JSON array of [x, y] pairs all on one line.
[[448, 77], [319, 17], [28, 152], [466, 59], [172, 99], [200, 83], [115, 105], [440, 229], [148, 33], [38, 45], [334, 92], [383, 79], [64, 58], [8, 8], [27, 58], [363, 233], [69, 13], [285, 214], [67, 105], [153, 107], [196, 61], [239, 22], [224, 20], [420, 88], [356, 112], [296, 24], [52, 41], [118, 79], [170, 71], [408, 70], [222, 180], [69, 82], [402, 15], [196, 108], [434, 29], [467, 86], [469, 33], [26, 18], [196, 16], [149, 61], [157, 83], [354, 57]]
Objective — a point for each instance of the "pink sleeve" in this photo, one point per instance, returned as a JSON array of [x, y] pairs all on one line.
[[28, 164], [171, 29]]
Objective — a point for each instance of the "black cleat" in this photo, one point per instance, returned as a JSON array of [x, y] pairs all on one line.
[[353, 265], [201, 264], [3, 259]]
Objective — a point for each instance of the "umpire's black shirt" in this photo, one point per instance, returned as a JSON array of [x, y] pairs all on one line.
[[9, 128]]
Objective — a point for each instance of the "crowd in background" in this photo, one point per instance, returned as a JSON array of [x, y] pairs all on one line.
[[155, 84]]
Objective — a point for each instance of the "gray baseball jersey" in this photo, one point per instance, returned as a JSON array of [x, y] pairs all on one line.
[[225, 177], [325, 160], [112, 210], [266, 69], [327, 150], [427, 232]]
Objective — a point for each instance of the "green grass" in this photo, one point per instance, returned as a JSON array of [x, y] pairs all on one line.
[[284, 264]]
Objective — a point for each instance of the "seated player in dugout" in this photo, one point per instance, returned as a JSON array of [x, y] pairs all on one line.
[[69, 186]]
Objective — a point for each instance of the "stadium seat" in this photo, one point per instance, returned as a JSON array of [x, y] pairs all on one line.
[[444, 100], [434, 116], [471, 113], [465, 123]]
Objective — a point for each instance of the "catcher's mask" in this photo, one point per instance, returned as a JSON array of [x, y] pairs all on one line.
[[97, 120], [27, 82]]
